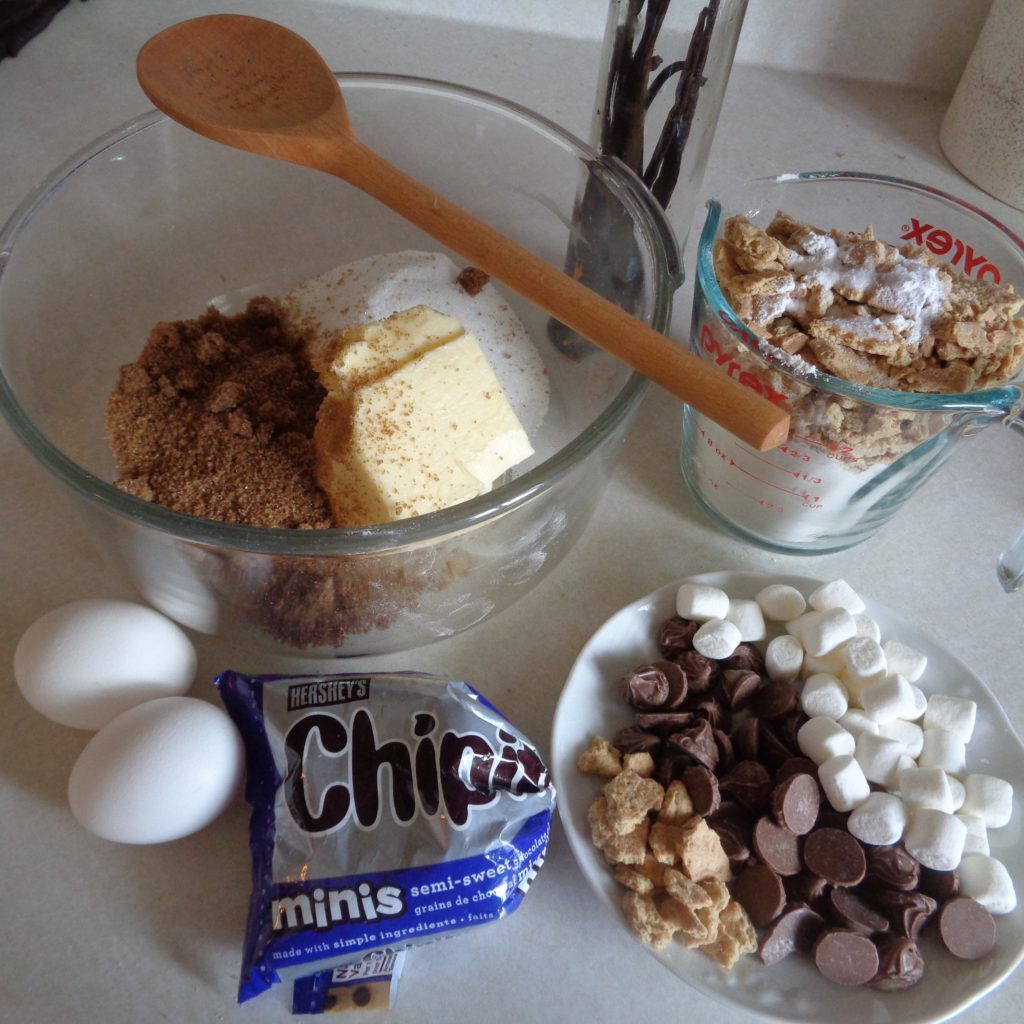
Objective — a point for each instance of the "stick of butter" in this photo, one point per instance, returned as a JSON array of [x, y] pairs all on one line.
[[414, 420]]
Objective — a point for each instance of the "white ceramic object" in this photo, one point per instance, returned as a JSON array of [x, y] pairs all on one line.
[[790, 991], [982, 133]]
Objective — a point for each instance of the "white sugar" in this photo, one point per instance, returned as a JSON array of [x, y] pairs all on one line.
[[375, 287]]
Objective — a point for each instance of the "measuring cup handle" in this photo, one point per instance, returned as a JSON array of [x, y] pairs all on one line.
[[1010, 569]]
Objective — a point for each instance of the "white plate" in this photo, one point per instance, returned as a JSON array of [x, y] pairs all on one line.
[[792, 990]]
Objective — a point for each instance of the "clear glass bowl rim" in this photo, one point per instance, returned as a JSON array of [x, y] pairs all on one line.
[[385, 536], [1001, 401]]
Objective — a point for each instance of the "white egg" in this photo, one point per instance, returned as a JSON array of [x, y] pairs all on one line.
[[159, 771], [85, 662]]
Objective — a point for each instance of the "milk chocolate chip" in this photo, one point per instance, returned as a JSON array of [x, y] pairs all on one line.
[[853, 913], [847, 958], [796, 802], [836, 856], [777, 847], [702, 786], [900, 965], [760, 892], [967, 929], [794, 931], [676, 636], [907, 911]]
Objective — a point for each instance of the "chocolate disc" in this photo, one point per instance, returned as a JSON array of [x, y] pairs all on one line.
[[967, 929], [646, 687], [907, 911], [774, 700], [796, 802], [777, 847], [749, 784], [940, 885], [702, 786], [900, 965], [795, 766], [892, 867], [739, 686], [847, 958], [809, 889], [835, 855], [852, 912], [676, 636], [795, 930], [760, 892]]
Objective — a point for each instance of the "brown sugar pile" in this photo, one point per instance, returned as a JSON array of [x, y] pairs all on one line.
[[215, 419]]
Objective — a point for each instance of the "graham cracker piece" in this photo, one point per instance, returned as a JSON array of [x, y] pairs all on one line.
[[641, 762], [643, 917], [600, 758], [633, 878], [701, 854], [752, 247], [677, 806], [989, 304], [871, 334], [684, 919], [629, 797], [857, 367]]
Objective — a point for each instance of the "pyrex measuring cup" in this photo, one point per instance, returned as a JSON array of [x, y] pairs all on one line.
[[855, 453]]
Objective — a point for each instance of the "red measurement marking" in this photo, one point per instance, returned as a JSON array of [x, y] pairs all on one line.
[[768, 483]]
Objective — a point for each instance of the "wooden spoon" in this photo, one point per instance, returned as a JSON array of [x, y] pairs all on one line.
[[258, 86]]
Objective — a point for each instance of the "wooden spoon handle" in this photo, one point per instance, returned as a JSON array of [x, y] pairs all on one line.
[[718, 396]]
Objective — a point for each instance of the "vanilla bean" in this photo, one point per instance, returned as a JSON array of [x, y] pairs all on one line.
[[662, 172], [602, 251]]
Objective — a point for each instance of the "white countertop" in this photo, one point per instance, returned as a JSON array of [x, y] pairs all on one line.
[[92, 932]]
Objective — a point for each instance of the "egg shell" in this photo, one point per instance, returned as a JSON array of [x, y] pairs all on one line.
[[86, 662], [157, 772]]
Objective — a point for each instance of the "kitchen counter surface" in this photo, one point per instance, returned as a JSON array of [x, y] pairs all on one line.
[[91, 932]]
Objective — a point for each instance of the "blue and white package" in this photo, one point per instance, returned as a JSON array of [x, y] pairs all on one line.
[[388, 810]]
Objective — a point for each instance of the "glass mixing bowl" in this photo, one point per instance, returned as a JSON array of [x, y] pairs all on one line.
[[153, 223]]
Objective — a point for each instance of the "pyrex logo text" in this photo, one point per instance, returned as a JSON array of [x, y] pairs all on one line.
[[725, 359], [941, 242]]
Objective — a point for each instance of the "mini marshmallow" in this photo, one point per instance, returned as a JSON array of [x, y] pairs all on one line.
[[780, 602], [866, 626], [822, 739], [926, 788], [988, 798], [717, 638], [864, 661], [823, 694], [959, 791], [831, 662], [977, 834], [920, 703], [700, 602], [843, 782], [954, 714], [837, 594], [747, 617], [935, 839], [783, 658], [941, 749], [856, 721], [904, 660], [823, 631], [879, 821], [879, 758], [910, 734], [889, 699], [986, 880]]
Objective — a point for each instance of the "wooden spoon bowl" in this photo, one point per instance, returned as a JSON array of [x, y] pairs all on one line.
[[257, 86]]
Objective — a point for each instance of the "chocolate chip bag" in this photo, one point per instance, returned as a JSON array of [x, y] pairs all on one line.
[[388, 810]]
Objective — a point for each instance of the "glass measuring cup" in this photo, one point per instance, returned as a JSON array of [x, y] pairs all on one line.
[[856, 453]]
